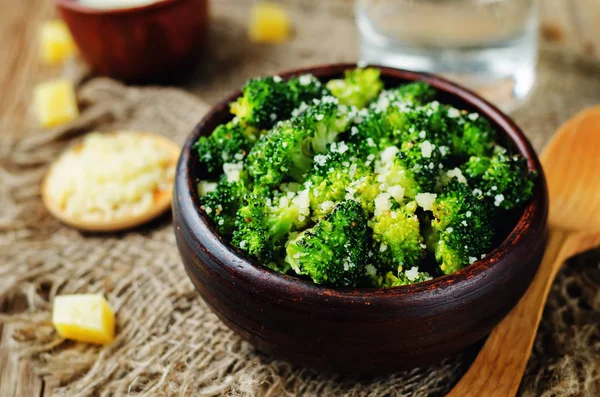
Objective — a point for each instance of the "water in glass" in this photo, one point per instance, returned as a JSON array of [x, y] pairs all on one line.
[[487, 45]]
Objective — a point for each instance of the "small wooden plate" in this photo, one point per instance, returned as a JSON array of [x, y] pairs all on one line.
[[161, 199]]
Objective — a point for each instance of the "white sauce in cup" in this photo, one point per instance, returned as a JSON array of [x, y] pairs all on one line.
[[115, 4]]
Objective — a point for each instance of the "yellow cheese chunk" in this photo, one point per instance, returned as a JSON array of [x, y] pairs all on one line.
[[84, 317], [56, 42], [269, 23], [55, 102]]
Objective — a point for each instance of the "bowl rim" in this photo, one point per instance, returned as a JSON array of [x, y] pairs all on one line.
[[75, 6], [234, 259]]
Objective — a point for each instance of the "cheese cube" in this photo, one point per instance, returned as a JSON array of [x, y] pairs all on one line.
[[269, 23], [84, 317], [55, 102], [56, 43]]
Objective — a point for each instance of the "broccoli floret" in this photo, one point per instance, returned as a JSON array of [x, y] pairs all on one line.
[[397, 240], [474, 135], [267, 100], [287, 151], [462, 225], [335, 250], [323, 122], [222, 203], [503, 179], [357, 88], [355, 188], [399, 279], [415, 94], [228, 143], [416, 168], [262, 226], [367, 136], [460, 135], [332, 174]]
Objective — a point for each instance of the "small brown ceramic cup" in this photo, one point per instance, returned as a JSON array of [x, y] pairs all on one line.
[[155, 42]]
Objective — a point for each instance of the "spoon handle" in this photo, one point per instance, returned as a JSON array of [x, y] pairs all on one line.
[[499, 366]]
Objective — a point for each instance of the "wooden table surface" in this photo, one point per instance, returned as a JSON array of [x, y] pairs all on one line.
[[571, 24]]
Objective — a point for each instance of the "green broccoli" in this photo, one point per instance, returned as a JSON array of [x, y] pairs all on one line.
[[503, 179], [367, 135], [413, 94], [228, 143], [266, 101], [262, 226], [287, 151], [359, 188], [222, 203], [335, 251], [332, 174], [460, 135], [462, 226], [416, 168], [357, 88], [474, 135], [406, 277], [397, 240]]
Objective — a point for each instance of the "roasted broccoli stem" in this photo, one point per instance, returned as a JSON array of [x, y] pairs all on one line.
[[462, 226], [267, 100], [335, 251], [358, 87], [502, 179]]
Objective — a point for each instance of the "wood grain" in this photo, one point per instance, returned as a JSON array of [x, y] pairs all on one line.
[[569, 24], [574, 221], [498, 369]]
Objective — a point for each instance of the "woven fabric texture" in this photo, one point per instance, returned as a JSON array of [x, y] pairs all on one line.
[[168, 341]]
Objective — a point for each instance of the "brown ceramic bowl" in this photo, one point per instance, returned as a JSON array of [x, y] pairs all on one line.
[[154, 42], [360, 330]]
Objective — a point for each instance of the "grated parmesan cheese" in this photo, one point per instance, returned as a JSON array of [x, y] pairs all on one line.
[[232, 171], [426, 149], [426, 200], [109, 176], [456, 173]]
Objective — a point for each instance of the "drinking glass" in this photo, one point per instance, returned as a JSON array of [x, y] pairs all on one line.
[[489, 46]]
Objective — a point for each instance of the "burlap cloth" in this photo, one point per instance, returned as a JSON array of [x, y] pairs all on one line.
[[168, 342]]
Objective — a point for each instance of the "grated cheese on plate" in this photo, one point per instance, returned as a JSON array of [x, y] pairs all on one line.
[[108, 177]]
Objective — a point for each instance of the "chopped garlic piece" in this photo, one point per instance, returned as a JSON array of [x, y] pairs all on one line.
[[55, 102], [85, 318], [269, 23]]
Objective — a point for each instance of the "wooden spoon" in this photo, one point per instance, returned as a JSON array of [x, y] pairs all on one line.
[[571, 162]]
